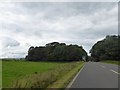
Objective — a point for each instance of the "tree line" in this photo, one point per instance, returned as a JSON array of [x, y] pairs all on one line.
[[56, 51], [106, 49]]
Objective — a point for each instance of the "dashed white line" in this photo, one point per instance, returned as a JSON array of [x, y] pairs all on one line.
[[115, 71]]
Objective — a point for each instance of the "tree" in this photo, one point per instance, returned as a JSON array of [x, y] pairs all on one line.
[[52, 44], [106, 49], [56, 51]]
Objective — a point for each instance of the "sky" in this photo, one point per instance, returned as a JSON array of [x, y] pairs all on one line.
[[25, 24]]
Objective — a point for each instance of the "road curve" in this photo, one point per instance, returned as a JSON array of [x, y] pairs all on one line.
[[97, 75]]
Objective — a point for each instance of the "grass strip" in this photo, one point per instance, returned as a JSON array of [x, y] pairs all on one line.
[[112, 62], [67, 78]]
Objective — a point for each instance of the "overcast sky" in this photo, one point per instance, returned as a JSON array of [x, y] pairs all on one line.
[[25, 24]]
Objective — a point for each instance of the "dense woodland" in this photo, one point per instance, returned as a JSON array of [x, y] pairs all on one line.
[[56, 51], [106, 49]]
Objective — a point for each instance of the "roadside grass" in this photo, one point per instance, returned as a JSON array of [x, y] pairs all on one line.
[[63, 81], [13, 70], [60, 75], [21, 74], [112, 62]]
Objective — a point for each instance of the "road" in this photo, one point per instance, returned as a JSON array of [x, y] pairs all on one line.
[[96, 75]]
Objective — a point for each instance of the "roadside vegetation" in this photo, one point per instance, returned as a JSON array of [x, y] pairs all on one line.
[[26, 74], [106, 49], [63, 81], [112, 62]]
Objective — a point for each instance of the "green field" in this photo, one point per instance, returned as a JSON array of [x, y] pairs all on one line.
[[17, 73]]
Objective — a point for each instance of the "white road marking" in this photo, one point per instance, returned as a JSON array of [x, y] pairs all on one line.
[[102, 66], [70, 84], [114, 71]]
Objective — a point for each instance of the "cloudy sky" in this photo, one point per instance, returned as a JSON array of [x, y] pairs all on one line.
[[25, 24]]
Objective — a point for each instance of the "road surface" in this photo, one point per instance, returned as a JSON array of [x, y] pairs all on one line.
[[97, 75]]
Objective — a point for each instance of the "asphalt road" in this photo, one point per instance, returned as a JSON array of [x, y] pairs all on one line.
[[97, 75]]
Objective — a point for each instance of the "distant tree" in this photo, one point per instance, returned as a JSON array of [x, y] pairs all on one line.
[[106, 49], [52, 44], [56, 51]]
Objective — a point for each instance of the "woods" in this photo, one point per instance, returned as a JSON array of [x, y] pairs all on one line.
[[56, 51], [106, 49]]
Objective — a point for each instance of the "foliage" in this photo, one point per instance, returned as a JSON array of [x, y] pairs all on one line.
[[106, 49], [56, 52], [64, 80], [112, 62]]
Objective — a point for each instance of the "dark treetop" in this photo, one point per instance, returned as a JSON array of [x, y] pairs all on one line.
[[56, 51], [106, 49]]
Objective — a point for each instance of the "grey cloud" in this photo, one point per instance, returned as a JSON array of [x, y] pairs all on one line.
[[38, 23], [9, 42], [67, 7], [13, 27], [13, 55]]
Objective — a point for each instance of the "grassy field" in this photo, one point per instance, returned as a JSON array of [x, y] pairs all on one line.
[[23, 74], [112, 62]]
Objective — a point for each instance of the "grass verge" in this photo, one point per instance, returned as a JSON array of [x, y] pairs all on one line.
[[67, 78], [112, 62]]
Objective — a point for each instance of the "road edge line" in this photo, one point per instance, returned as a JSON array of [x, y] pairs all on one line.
[[70, 84]]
